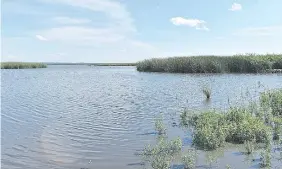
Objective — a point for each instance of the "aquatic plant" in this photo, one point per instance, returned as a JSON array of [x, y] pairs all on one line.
[[248, 63], [228, 166], [212, 129], [159, 125], [207, 92], [160, 155], [189, 159], [249, 146], [266, 153], [21, 65], [277, 64], [273, 100]]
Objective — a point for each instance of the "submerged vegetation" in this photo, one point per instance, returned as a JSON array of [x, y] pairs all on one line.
[[250, 63], [21, 65]]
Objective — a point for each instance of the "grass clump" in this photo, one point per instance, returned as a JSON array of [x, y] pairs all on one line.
[[21, 65], [266, 153], [273, 100], [207, 92], [212, 129], [249, 63], [161, 155], [249, 146], [159, 125], [189, 159]]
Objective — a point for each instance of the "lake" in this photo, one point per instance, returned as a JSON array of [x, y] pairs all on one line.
[[100, 117]]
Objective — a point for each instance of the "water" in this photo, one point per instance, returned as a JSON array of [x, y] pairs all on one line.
[[99, 117]]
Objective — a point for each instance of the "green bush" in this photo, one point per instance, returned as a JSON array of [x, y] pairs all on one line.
[[243, 126]]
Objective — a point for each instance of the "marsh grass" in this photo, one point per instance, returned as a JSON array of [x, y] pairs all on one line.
[[21, 65], [212, 129], [161, 155], [159, 125], [249, 63], [207, 92], [273, 100], [249, 146], [189, 159]]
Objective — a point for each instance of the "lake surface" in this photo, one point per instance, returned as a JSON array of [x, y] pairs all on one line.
[[100, 117]]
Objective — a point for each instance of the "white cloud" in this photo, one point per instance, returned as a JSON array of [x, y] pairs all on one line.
[[260, 31], [79, 35], [67, 20], [115, 11], [196, 23], [235, 7], [39, 37]]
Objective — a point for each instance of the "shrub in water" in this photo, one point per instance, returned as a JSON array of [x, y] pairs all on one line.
[[161, 155], [243, 126], [209, 131], [212, 129], [189, 160]]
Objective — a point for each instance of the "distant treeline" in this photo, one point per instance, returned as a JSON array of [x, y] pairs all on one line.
[[249, 63], [22, 65]]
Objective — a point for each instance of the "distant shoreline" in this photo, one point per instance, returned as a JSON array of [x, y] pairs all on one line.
[[95, 64]]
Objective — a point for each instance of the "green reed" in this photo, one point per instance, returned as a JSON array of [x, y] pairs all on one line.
[[249, 63], [22, 65]]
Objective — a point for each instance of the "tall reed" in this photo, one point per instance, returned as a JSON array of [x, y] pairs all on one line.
[[249, 63], [21, 65]]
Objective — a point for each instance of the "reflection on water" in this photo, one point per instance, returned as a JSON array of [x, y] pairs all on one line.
[[99, 117]]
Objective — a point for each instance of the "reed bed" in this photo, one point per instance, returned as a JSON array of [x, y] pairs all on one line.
[[249, 63], [22, 65]]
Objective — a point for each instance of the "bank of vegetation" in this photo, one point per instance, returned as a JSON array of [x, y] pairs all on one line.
[[22, 65], [249, 63], [257, 123]]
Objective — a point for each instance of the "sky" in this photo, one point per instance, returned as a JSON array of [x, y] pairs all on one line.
[[133, 30]]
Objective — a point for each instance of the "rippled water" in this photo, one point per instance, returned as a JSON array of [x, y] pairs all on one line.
[[99, 117]]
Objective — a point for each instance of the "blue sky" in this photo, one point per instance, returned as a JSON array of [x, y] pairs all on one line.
[[132, 30]]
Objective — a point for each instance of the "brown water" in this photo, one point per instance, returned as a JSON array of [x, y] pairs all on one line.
[[100, 117]]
